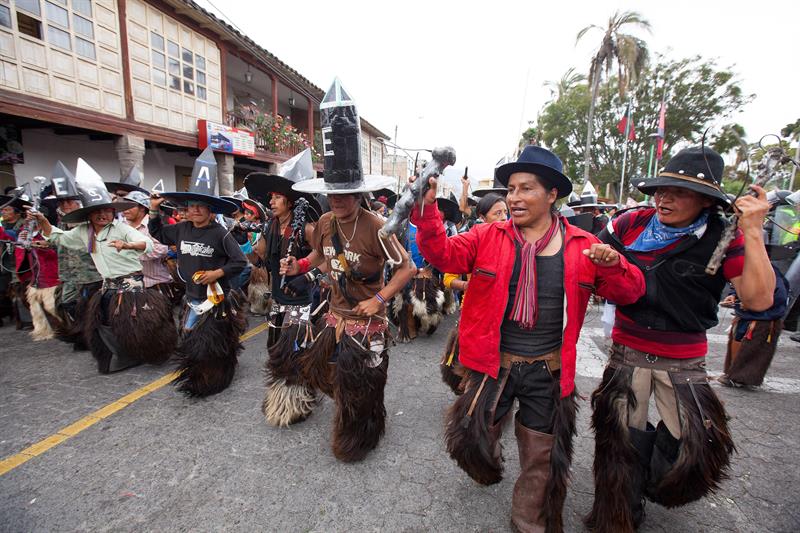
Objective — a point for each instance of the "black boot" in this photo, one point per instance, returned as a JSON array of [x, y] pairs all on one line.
[[665, 453], [643, 442]]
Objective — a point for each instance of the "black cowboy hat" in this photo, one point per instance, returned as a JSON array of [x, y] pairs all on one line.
[[255, 205], [697, 169], [261, 185], [131, 182], [496, 188], [541, 162], [449, 207], [14, 201], [390, 195], [234, 200]]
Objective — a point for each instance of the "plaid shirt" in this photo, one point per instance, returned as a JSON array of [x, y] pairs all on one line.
[[153, 267]]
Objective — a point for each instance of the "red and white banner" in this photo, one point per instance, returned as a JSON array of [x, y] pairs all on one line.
[[223, 138]]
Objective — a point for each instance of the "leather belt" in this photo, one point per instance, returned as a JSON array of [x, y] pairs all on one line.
[[552, 359]]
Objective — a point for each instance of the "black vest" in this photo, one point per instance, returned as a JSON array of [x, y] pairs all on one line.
[[679, 295]]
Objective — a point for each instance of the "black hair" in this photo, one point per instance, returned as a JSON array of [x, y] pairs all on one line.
[[487, 202]]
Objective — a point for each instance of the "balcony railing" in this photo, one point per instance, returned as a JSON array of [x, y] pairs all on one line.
[[239, 120]]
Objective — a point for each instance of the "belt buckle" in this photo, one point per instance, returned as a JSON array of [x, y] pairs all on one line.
[[650, 358]]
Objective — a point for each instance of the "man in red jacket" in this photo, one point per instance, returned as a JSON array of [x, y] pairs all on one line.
[[531, 280]]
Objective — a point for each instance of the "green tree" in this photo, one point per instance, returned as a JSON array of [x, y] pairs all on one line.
[[698, 93], [627, 51], [561, 87]]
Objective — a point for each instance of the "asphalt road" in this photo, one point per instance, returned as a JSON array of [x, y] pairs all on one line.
[[163, 462]]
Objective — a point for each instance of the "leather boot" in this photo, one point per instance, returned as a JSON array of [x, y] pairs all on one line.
[[527, 502], [643, 442], [665, 453]]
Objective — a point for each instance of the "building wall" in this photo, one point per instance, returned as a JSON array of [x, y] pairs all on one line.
[[175, 70], [76, 59], [43, 148]]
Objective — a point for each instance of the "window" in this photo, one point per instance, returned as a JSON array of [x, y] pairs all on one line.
[[83, 27], [158, 60], [84, 7], [85, 48], [5, 16], [58, 37], [31, 6], [29, 25], [57, 15], [156, 41], [179, 69], [159, 77]]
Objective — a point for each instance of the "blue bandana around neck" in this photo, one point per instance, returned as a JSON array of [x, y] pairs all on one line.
[[657, 236]]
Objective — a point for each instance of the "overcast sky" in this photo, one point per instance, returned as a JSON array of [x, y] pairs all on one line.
[[447, 74]]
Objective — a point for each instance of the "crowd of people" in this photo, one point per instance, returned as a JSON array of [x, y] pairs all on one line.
[[108, 266]]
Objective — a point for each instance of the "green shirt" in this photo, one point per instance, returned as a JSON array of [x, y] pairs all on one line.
[[109, 262]]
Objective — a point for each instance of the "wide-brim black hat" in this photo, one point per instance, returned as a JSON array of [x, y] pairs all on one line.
[[237, 201], [261, 185], [500, 191], [256, 205], [390, 195], [114, 186], [217, 205], [82, 214], [15, 202], [696, 169], [450, 209], [541, 162]]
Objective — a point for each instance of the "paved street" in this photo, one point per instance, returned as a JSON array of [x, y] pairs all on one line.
[[168, 463]]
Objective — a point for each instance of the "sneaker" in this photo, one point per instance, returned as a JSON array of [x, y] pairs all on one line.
[[795, 336]]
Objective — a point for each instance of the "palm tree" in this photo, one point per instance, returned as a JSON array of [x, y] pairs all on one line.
[[561, 87], [629, 52]]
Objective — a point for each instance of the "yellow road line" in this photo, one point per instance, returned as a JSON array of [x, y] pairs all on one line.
[[13, 461]]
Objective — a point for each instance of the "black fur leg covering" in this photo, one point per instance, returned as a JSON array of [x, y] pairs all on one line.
[[566, 410], [470, 440], [288, 399], [143, 324], [704, 452], [614, 454], [207, 355], [452, 371], [316, 368], [93, 319], [359, 383]]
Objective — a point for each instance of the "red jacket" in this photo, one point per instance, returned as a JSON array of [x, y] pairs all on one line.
[[488, 252]]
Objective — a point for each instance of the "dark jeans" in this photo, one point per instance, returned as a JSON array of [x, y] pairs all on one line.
[[532, 385]]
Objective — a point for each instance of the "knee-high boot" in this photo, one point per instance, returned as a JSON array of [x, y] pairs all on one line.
[[527, 503], [665, 453], [643, 442]]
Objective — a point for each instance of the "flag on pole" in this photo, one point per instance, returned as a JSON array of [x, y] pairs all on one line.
[[662, 122], [625, 125]]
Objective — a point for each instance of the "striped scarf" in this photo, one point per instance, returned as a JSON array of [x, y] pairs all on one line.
[[525, 311]]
